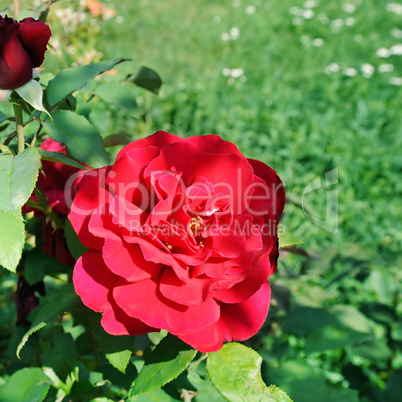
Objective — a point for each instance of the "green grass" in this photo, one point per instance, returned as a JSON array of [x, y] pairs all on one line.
[[288, 113]]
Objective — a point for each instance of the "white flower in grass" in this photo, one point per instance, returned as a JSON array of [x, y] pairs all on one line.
[[243, 79], [308, 14], [332, 68], [350, 21], [395, 8], [318, 42], [349, 72], [304, 39], [250, 10], [236, 3], [349, 8], [385, 68], [225, 37], [234, 33], [396, 81], [297, 21], [323, 18], [337, 23], [237, 72], [226, 72], [309, 4], [396, 50], [367, 70], [295, 11], [383, 52], [120, 19], [217, 19], [231, 80], [358, 38], [396, 33]]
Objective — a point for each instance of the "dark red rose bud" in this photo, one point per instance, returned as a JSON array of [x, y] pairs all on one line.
[[22, 47]]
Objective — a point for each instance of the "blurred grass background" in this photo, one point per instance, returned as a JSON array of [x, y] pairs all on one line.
[[306, 87], [254, 72]]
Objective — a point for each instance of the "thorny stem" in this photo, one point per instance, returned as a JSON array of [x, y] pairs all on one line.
[[19, 122]]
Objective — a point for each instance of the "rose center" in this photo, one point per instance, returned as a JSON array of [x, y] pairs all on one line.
[[196, 225]]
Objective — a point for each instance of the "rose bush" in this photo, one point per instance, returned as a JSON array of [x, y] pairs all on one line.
[[22, 47], [182, 236], [57, 183]]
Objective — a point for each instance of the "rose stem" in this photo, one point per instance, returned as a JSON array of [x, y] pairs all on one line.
[[16, 8], [20, 126]]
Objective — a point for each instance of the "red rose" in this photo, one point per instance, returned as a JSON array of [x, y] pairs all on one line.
[[22, 47], [57, 182], [181, 236]]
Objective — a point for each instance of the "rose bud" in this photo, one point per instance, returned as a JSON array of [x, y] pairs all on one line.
[[54, 182], [22, 47], [182, 236]]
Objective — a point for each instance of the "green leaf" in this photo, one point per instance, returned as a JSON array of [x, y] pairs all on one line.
[[25, 385], [119, 360], [82, 140], [157, 395], [302, 321], [18, 176], [305, 384], [71, 79], [235, 371], [58, 157], [60, 302], [114, 139], [148, 79], [119, 95], [24, 175], [373, 349], [352, 318], [332, 337], [167, 361], [37, 264], [3, 117], [286, 239], [73, 242], [32, 93], [12, 239], [312, 389]]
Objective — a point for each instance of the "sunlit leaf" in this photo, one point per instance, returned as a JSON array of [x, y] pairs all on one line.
[[235, 371], [71, 79]]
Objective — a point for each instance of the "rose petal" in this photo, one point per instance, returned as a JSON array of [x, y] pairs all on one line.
[[238, 322], [159, 139], [209, 339], [125, 178], [92, 280], [127, 261], [195, 292], [144, 301], [116, 322], [260, 271], [155, 254], [274, 186], [15, 63], [34, 36], [90, 194], [214, 144], [230, 174], [243, 320], [127, 215]]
